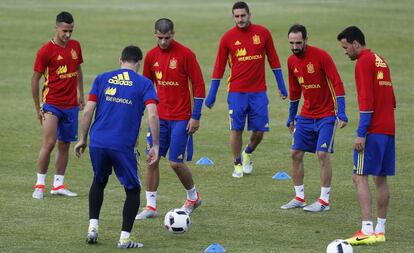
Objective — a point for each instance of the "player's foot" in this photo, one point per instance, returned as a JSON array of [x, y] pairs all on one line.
[[147, 213], [63, 191], [317, 206], [247, 163], [238, 171], [294, 203], [39, 191], [360, 238], [92, 236], [128, 244], [190, 205], [380, 237]]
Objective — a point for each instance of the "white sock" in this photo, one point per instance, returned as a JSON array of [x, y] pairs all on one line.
[[380, 227], [151, 199], [325, 191], [124, 235], [367, 227], [192, 193], [58, 181], [41, 179], [300, 191], [93, 223]]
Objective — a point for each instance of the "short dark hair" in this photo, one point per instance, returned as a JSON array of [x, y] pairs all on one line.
[[164, 25], [298, 28], [131, 54], [240, 5], [65, 17], [352, 33]]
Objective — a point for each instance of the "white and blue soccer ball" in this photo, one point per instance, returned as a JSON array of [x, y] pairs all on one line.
[[177, 221], [339, 246]]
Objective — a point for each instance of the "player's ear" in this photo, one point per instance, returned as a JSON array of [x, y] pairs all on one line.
[[120, 61], [137, 65]]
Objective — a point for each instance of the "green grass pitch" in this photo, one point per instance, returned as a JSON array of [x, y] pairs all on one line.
[[242, 215]]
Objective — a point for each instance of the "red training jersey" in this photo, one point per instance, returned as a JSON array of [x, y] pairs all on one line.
[[315, 75], [178, 79], [375, 92], [59, 66], [245, 50]]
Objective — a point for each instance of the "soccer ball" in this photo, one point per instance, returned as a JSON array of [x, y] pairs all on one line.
[[339, 246], [177, 221]]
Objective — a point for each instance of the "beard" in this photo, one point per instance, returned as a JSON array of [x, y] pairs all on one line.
[[298, 52]]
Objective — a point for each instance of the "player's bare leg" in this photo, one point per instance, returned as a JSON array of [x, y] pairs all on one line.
[[184, 174], [325, 168], [49, 125], [298, 173], [62, 157], [255, 139], [364, 195], [322, 204], [383, 197], [152, 180], [236, 143]]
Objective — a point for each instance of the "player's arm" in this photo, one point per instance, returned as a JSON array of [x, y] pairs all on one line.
[[199, 92], [365, 91], [35, 94], [154, 124], [218, 72], [81, 98], [86, 124], [334, 79], [274, 63], [295, 92]]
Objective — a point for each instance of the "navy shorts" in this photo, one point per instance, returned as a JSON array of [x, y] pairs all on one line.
[[378, 157], [254, 106], [174, 137], [67, 129], [124, 164], [312, 135]]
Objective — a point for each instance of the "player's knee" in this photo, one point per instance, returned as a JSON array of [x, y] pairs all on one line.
[[323, 156], [176, 165], [296, 156], [48, 145], [63, 146]]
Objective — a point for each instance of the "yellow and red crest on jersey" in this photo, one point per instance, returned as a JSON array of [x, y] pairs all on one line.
[[256, 39], [310, 68], [173, 63], [74, 54]]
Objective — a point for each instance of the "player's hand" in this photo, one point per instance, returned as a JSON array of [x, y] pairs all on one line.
[[291, 127], [192, 126], [40, 116], [209, 102], [359, 144], [81, 101], [152, 156], [282, 95], [80, 148], [342, 123]]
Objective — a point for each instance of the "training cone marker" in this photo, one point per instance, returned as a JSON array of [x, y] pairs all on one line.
[[204, 161], [215, 247], [281, 175]]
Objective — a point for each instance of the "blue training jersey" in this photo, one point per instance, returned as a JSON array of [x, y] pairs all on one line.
[[121, 97]]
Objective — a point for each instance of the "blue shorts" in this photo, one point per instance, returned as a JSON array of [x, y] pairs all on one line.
[[123, 162], [378, 157], [312, 135], [251, 104], [67, 129], [174, 136]]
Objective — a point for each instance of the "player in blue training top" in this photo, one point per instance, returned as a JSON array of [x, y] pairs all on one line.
[[119, 98]]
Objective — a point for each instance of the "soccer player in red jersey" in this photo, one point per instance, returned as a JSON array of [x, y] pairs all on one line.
[[59, 62], [180, 87], [312, 73], [245, 48], [374, 146]]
